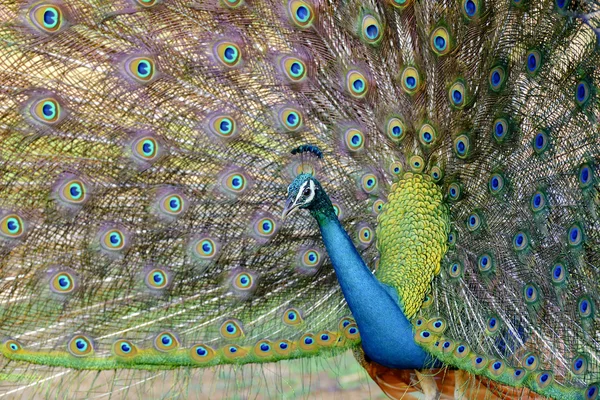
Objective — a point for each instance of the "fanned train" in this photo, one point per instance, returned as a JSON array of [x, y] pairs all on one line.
[[190, 184]]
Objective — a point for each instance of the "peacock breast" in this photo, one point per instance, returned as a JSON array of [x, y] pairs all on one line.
[[412, 233]]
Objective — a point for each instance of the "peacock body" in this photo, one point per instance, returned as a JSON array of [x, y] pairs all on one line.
[[449, 146]]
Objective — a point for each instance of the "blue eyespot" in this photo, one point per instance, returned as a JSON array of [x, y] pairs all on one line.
[[308, 340], [541, 142], [470, 8], [538, 201], [265, 347], [201, 351], [520, 241], [283, 345]]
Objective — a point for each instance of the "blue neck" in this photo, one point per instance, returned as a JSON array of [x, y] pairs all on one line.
[[386, 334]]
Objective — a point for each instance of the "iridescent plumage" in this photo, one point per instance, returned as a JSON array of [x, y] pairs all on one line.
[[145, 158]]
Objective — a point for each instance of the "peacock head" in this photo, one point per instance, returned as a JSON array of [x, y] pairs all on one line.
[[306, 192]]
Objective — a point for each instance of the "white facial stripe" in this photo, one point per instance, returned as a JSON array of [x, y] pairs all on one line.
[[312, 192], [300, 192]]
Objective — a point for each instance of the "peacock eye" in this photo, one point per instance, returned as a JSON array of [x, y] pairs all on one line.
[[306, 192]]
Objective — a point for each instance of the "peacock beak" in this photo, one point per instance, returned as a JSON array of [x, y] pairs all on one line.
[[290, 207]]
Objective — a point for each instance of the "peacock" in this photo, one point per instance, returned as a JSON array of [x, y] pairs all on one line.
[[187, 185]]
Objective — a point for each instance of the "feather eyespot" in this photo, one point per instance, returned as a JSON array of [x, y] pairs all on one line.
[[417, 164], [440, 41], [534, 61], [80, 346], [377, 206], [493, 325], [371, 30], [62, 283], [307, 342], [496, 183], [538, 201], [243, 281], [293, 68], [344, 322], [501, 130], [12, 226], [369, 182], [351, 332], [265, 227], [302, 13], [423, 337], [228, 53], [575, 235], [166, 341], [585, 176], [452, 238], [520, 241], [47, 111], [147, 3], [234, 352], [354, 139], [479, 362], [395, 129], [311, 258], [582, 93], [454, 191], [470, 9], [474, 222], [437, 174], [47, 18], [291, 119], [292, 317], [559, 273], [531, 293], [172, 205], [124, 348], [455, 270], [284, 347], [485, 263], [365, 236], [235, 183], [541, 141], [223, 126], [427, 135], [73, 191], [205, 248], [356, 84], [496, 367], [202, 353], [585, 307], [462, 350], [591, 393], [232, 3], [462, 146], [157, 279], [113, 240], [497, 78], [263, 348], [562, 5], [141, 69], [457, 94], [544, 379], [13, 346], [410, 80], [579, 365], [145, 148], [231, 329], [326, 338], [400, 4]]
